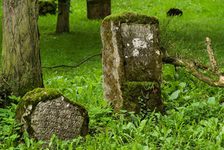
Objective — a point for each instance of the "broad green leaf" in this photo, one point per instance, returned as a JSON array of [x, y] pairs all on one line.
[[211, 101], [182, 85], [174, 95]]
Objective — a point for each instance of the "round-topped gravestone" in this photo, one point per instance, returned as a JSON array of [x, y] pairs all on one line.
[[44, 112]]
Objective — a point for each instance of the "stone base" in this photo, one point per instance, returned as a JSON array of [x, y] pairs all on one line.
[[142, 97]]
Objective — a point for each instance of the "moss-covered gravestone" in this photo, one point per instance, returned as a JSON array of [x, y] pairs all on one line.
[[44, 112], [132, 62]]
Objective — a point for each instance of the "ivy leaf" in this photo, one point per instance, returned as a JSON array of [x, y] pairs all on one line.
[[174, 95], [182, 85], [211, 101]]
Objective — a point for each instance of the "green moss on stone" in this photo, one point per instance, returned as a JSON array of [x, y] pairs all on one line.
[[144, 84], [141, 95], [131, 17], [41, 94], [34, 97]]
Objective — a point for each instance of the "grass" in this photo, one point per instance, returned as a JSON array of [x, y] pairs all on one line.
[[194, 118]]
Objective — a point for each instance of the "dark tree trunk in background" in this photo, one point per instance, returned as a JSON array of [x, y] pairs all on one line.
[[98, 9], [63, 16], [21, 65]]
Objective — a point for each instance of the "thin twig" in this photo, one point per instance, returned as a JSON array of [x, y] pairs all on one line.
[[76, 65], [172, 60], [192, 68], [195, 67]]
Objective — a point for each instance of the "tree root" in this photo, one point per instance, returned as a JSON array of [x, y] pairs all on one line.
[[76, 65], [193, 67]]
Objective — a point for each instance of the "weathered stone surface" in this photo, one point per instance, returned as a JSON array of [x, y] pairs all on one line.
[[132, 61], [142, 56], [98, 9], [44, 112]]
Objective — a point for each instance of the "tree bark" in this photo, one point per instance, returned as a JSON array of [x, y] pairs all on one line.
[[98, 9], [21, 64], [63, 16]]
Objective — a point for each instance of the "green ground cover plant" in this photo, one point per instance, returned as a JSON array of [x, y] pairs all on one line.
[[194, 110]]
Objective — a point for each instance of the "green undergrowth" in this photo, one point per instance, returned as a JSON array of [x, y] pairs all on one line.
[[194, 110]]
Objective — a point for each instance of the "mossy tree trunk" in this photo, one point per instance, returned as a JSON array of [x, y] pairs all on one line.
[[63, 16], [21, 65]]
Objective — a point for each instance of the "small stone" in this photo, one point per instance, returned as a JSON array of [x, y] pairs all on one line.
[[174, 12]]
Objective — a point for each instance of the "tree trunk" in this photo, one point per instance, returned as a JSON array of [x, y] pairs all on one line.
[[21, 65], [63, 16], [98, 9]]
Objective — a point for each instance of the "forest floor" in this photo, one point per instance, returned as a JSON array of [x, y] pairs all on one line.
[[194, 113]]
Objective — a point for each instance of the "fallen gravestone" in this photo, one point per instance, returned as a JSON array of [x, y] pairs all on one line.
[[132, 62], [44, 112]]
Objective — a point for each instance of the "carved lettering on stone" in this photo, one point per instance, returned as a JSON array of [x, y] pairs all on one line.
[[56, 117]]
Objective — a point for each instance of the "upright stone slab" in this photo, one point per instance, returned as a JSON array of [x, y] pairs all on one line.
[[44, 112], [98, 9], [132, 62]]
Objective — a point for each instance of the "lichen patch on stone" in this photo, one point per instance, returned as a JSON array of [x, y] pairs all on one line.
[[158, 52], [150, 37], [135, 53], [138, 43]]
